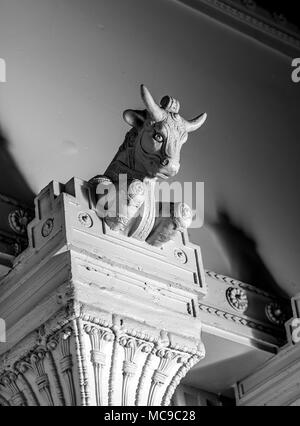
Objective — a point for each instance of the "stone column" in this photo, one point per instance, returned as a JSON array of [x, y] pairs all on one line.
[[93, 318]]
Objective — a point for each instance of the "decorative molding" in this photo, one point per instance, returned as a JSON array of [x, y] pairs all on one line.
[[276, 314], [81, 362], [181, 373], [13, 233], [99, 339], [66, 363], [255, 309], [132, 349], [181, 256], [240, 284], [18, 221], [44, 375], [167, 361], [241, 321], [8, 381], [47, 227], [85, 220], [237, 298], [253, 20]]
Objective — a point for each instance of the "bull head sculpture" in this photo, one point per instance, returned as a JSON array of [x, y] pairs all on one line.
[[161, 134], [151, 150]]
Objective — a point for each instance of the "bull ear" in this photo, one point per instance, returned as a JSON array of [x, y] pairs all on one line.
[[135, 118]]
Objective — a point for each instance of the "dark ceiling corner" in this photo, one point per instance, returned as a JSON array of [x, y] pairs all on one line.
[[276, 23]]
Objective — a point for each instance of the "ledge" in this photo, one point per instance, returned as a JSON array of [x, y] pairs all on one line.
[[244, 314], [253, 21]]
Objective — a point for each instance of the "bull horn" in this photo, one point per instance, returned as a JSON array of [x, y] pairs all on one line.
[[155, 111], [196, 123]]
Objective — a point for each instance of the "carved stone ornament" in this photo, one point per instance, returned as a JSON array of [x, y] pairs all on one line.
[[151, 151], [276, 314], [180, 256], [237, 299], [114, 366], [85, 220], [18, 221], [47, 227]]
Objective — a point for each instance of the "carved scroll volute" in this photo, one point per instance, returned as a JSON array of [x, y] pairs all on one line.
[[133, 349], [100, 339], [9, 381]]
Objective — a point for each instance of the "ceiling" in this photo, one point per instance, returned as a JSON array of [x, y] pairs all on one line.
[[225, 364], [74, 66], [288, 8]]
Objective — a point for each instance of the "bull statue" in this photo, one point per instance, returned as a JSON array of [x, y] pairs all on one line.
[[151, 151]]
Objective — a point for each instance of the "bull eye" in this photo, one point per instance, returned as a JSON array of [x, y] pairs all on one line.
[[164, 162], [158, 137]]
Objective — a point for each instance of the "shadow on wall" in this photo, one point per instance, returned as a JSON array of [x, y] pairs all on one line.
[[12, 182], [242, 251]]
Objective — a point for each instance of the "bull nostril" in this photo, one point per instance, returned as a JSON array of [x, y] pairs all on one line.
[[164, 162]]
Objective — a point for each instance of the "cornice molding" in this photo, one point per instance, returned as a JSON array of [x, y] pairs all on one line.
[[255, 325], [242, 285], [247, 17], [247, 308]]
